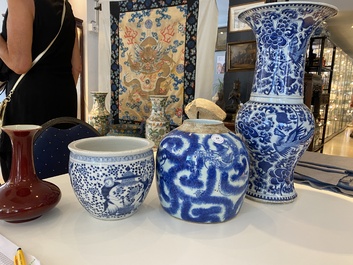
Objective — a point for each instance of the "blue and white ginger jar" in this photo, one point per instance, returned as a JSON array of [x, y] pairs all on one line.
[[202, 171]]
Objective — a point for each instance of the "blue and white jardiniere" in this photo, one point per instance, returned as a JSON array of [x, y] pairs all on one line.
[[111, 175], [275, 124], [202, 171]]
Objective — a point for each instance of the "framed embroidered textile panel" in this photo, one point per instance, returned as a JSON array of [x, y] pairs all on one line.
[[153, 45]]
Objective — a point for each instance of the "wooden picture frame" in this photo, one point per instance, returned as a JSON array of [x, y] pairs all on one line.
[[234, 23], [241, 56], [221, 44]]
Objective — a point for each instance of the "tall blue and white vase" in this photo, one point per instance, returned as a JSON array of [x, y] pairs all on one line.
[[202, 171], [275, 124]]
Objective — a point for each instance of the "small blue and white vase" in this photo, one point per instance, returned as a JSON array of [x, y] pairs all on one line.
[[202, 171], [275, 124]]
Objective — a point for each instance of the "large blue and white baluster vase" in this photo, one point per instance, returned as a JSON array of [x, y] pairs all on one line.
[[275, 124]]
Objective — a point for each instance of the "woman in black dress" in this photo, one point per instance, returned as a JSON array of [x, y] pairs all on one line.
[[48, 90]]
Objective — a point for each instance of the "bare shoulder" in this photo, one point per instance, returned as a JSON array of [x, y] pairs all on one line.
[[20, 35], [21, 7]]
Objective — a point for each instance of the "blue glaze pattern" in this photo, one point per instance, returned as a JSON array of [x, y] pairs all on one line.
[[111, 188], [276, 136], [282, 32], [275, 124], [202, 177]]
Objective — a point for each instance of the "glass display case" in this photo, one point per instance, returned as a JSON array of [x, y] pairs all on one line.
[[320, 62], [331, 103], [340, 112]]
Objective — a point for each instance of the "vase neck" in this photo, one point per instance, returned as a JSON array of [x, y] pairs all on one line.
[[282, 32], [158, 104], [22, 165], [99, 99], [276, 99]]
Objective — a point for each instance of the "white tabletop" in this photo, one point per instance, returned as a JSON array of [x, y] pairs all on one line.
[[315, 229]]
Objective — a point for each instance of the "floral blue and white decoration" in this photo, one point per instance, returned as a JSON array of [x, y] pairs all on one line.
[[275, 124], [111, 185]]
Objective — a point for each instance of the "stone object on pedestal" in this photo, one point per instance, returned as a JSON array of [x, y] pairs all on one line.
[[201, 108]]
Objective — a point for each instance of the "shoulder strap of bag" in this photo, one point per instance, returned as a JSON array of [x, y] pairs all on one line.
[[8, 97]]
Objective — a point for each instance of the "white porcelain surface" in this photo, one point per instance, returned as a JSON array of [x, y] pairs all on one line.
[[110, 146], [111, 175]]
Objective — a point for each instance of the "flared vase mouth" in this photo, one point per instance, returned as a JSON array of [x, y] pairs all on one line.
[[21, 127], [295, 4], [110, 146]]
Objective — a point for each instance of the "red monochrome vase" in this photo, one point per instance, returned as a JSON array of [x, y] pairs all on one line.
[[24, 196]]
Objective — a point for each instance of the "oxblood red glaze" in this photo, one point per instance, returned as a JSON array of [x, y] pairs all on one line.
[[24, 196]]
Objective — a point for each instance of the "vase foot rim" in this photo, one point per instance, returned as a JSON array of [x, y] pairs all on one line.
[[22, 220], [201, 222], [196, 221], [271, 200], [115, 218]]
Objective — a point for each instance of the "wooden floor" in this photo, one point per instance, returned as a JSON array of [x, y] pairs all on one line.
[[340, 145]]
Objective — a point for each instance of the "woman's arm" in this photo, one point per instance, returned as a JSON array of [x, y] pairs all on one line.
[[17, 51], [76, 60]]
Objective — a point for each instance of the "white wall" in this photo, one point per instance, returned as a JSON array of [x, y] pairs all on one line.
[[85, 11], [3, 7]]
